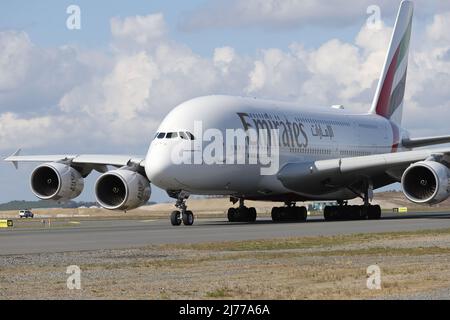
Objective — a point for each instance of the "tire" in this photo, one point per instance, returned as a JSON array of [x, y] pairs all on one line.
[[356, 212], [374, 212], [293, 214], [276, 217], [188, 218], [329, 213], [252, 215], [303, 213], [231, 215], [175, 218]]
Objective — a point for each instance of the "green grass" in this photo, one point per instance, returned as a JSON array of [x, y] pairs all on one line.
[[306, 242], [219, 293]]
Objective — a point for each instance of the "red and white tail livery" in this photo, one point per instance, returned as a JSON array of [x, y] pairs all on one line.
[[388, 101]]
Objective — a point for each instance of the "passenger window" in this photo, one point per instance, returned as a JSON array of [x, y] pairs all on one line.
[[161, 135]]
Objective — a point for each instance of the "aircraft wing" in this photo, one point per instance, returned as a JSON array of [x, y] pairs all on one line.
[[382, 169], [424, 142], [81, 159]]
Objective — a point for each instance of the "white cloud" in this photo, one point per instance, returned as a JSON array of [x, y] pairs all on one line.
[[143, 30], [88, 100], [438, 30], [223, 57], [277, 75], [122, 93], [294, 13], [15, 52], [274, 13], [33, 79]]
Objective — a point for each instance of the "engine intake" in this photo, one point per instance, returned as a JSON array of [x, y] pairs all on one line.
[[426, 182], [122, 190], [56, 181]]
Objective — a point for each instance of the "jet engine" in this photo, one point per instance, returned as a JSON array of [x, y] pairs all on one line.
[[122, 189], [56, 181], [426, 182]]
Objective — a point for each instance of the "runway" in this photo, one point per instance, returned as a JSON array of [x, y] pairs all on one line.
[[119, 234]]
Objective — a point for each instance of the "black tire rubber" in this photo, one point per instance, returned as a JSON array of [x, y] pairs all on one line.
[[188, 218], [175, 218], [252, 215], [327, 213], [276, 217], [374, 213], [232, 215], [303, 214], [294, 214], [242, 214], [356, 213], [332, 213]]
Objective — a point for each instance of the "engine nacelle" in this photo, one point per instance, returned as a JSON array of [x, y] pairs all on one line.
[[426, 182], [56, 181], [122, 190]]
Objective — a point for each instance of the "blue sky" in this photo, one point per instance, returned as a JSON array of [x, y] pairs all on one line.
[[45, 21], [53, 97]]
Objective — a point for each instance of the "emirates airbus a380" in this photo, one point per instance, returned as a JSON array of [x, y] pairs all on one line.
[[321, 154]]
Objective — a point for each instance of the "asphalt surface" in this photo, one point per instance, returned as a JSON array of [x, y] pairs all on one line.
[[119, 234]]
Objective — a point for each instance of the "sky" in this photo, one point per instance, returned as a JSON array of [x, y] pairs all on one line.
[[105, 87]]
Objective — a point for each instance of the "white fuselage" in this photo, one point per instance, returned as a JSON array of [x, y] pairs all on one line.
[[306, 135]]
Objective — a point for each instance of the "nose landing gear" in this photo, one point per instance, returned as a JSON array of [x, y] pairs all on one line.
[[183, 215]]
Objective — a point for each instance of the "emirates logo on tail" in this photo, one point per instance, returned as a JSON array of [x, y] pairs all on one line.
[[388, 100]]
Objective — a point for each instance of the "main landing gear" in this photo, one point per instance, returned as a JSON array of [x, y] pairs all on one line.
[[241, 214], [345, 212], [183, 215], [289, 213]]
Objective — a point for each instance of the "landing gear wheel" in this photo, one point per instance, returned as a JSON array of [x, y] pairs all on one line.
[[303, 214], [356, 213], [232, 212], [374, 213], [188, 218], [175, 218], [276, 214], [330, 213], [242, 214], [289, 214], [252, 215]]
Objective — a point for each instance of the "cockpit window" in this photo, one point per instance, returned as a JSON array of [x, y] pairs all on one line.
[[172, 135], [190, 135]]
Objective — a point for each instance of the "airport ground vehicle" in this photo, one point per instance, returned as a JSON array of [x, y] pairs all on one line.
[[26, 214]]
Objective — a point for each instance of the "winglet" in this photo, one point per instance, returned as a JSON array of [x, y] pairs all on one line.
[[15, 154]]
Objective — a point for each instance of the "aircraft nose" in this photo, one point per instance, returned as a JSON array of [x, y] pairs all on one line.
[[159, 167]]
